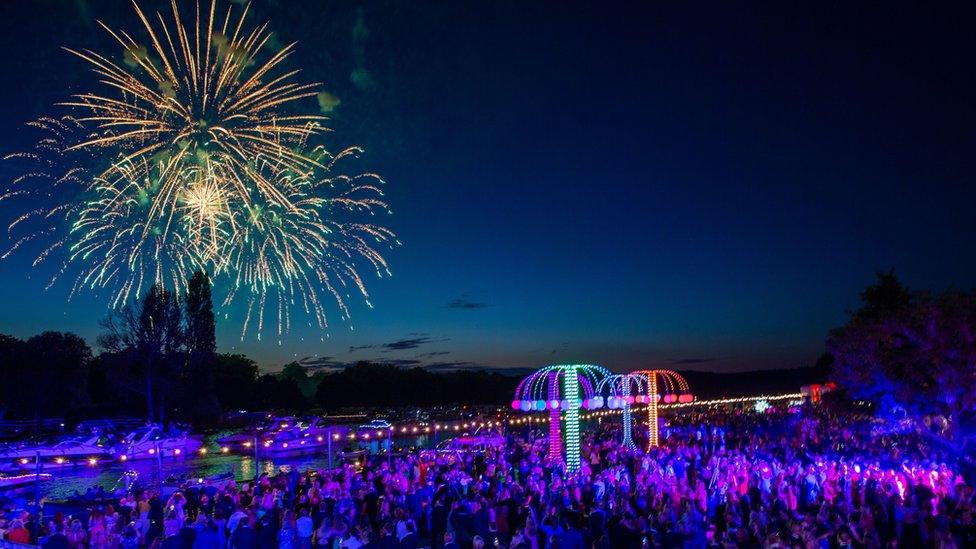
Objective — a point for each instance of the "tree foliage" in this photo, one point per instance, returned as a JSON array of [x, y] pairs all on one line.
[[200, 401], [47, 375], [916, 351], [151, 332], [170, 345], [274, 393], [235, 376]]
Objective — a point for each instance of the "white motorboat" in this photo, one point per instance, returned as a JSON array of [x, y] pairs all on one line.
[[474, 443], [377, 424], [244, 440], [153, 441], [303, 437], [68, 451]]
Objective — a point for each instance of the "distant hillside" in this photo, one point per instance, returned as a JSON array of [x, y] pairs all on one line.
[[714, 384]]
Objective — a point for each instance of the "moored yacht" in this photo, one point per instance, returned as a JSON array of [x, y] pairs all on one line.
[[60, 452], [244, 440], [307, 436], [153, 441]]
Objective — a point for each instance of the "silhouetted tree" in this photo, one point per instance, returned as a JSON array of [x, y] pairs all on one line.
[[45, 376], [235, 377], [11, 375], [64, 360], [200, 336], [153, 329], [367, 384], [117, 383], [279, 394], [883, 298], [199, 401], [299, 375], [917, 352]]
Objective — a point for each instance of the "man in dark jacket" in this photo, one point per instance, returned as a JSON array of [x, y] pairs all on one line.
[[438, 521], [387, 539], [244, 537], [57, 540], [449, 542], [411, 540]]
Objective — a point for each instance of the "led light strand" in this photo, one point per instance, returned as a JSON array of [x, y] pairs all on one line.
[[628, 441], [652, 426], [555, 436], [571, 390]]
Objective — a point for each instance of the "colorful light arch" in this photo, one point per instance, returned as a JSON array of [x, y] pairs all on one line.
[[562, 390], [675, 389], [623, 390]]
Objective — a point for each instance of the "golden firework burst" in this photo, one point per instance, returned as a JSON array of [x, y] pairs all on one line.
[[197, 155]]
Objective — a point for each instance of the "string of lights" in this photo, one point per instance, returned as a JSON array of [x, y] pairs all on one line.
[[712, 402]]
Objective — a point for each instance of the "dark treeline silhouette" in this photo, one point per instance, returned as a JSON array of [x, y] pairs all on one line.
[[710, 385], [114, 383], [164, 344], [45, 376], [158, 359], [366, 384]]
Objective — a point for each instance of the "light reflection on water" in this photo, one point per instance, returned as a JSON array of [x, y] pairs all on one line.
[[67, 481]]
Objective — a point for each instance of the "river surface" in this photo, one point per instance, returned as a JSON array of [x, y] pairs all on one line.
[[66, 482]]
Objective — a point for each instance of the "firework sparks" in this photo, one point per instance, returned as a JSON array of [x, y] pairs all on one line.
[[191, 157]]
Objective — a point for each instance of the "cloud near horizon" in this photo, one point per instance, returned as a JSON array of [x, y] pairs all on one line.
[[403, 344], [464, 303], [692, 360], [433, 354]]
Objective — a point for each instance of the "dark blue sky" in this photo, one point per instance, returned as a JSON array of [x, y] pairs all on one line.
[[698, 185]]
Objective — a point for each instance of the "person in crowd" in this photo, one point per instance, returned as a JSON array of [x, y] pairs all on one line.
[[304, 528], [18, 532]]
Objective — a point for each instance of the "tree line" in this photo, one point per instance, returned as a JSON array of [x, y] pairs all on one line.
[[158, 359]]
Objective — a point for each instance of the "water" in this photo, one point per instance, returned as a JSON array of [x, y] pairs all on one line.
[[66, 481]]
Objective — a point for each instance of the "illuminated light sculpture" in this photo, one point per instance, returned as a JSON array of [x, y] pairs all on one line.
[[675, 389], [624, 390], [562, 390]]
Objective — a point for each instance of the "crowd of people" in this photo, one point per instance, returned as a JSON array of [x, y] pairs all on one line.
[[799, 478]]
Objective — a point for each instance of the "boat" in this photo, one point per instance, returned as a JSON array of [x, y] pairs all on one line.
[[303, 437], [60, 452], [184, 482], [356, 458], [152, 441], [244, 440], [377, 424], [472, 443]]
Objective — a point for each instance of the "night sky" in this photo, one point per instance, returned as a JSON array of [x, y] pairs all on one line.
[[689, 185]]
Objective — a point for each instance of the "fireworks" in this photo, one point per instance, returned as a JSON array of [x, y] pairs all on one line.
[[194, 154]]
